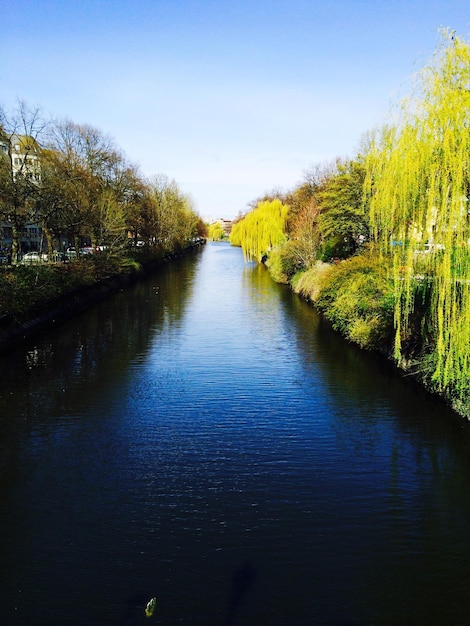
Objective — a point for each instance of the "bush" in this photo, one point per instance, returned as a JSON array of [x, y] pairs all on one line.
[[357, 298], [24, 287], [288, 260], [274, 263], [310, 283]]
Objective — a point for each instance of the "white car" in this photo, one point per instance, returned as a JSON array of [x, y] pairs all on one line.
[[33, 257]]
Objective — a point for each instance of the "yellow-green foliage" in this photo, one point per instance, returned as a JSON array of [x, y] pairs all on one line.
[[262, 230], [287, 260], [275, 266], [419, 180], [310, 283], [216, 232], [356, 296]]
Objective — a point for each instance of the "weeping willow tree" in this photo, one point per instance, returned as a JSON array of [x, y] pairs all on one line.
[[419, 184], [261, 230], [216, 232]]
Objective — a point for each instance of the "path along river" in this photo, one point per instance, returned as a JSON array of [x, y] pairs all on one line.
[[204, 438]]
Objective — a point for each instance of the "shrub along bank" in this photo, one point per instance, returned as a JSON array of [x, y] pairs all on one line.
[[356, 297], [26, 288]]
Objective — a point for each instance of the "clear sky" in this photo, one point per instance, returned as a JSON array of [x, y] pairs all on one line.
[[231, 98]]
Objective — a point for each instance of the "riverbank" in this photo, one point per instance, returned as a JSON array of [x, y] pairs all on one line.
[[15, 328], [356, 297]]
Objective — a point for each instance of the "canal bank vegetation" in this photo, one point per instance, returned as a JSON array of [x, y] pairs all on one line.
[[216, 232], [75, 211], [380, 243]]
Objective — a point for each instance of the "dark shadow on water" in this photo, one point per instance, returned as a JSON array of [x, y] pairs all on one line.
[[242, 580]]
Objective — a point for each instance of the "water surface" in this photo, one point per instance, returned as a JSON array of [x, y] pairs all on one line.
[[204, 438]]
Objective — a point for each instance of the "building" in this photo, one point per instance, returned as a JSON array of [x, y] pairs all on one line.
[[23, 154], [226, 226], [29, 237]]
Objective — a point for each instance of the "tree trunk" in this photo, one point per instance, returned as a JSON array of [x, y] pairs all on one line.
[[15, 244]]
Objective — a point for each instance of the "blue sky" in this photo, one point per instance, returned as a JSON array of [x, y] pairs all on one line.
[[229, 98]]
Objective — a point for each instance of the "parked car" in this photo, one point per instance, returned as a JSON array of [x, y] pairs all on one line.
[[33, 257]]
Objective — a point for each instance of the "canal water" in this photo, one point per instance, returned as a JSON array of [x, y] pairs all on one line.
[[203, 438]]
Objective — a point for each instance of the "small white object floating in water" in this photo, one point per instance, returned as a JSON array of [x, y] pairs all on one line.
[[150, 608]]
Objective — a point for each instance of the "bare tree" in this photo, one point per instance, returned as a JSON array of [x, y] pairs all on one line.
[[87, 173]]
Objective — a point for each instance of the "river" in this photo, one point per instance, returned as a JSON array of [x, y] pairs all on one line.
[[205, 439]]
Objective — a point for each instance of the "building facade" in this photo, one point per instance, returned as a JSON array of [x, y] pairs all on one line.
[[22, 158]]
